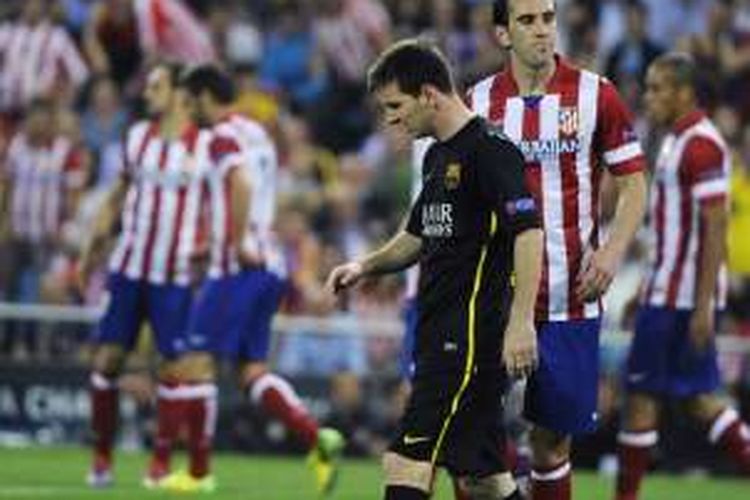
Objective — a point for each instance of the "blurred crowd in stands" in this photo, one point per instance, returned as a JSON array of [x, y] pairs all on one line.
[[70, 76]]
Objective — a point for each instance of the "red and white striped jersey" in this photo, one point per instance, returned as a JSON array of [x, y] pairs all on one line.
[[565, 135], [692, 170], [241, 142], [40, 179], [33, 59], [160, 220]]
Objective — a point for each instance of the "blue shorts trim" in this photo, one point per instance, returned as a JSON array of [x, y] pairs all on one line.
[[232, 315], [131, 302], [406, 359], [662, 359], [562, 393]]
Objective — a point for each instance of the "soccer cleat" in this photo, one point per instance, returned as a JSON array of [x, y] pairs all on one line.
[[100, 477], [182, 482], [323, 459], [155, 477]]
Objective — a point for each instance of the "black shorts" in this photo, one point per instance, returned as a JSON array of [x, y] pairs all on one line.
[[456, 423]]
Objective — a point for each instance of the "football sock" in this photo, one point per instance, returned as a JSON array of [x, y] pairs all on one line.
[[634, 455], [104, 408], [200, 414], [278, 399], [729, 433], [404, 493], [169, 417], [551, 484]]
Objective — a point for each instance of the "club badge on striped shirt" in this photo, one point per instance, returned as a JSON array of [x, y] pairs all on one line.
[[569, 119]]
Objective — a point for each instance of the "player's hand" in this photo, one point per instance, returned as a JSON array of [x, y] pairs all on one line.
[[701, 328], [597, 272], [344, 276], [249, 259], [520, 355]]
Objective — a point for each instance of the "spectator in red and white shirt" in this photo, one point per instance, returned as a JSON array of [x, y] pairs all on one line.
[[43, 175], [37, 59]]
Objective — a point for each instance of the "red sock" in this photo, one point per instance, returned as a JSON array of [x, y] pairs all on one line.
[[104, 409], [730, 434], [278, 399], [551, 484], [200, 412], [634, 456], [169, 416]]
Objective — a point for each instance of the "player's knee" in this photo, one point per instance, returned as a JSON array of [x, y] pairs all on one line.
[[194, 367], [704, 407], [252, 372], [108, 360], [549, 448], [641, 413], [402, 471], [494, 487]]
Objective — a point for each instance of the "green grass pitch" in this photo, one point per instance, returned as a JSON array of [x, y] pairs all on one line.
[[58, 473]]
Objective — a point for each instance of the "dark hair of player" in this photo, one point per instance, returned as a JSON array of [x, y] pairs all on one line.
[[211, 79], [411, 64], [681, 67]]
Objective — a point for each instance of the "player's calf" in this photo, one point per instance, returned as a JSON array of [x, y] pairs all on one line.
[[548, 448], [494, 487], [198, 395], [104, 394], [551, 471], [278, 399], [728, 432], [407, 479]]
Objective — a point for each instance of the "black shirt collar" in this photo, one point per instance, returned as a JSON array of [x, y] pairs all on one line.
[[465, 135]]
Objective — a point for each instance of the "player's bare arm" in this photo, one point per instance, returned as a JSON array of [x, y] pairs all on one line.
[[92, 250], [520, 347], [240, 189], [714, 223], [599, 266], [399, 253]]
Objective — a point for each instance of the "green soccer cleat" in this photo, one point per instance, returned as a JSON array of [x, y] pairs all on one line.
[[182, 482], [324, 458]]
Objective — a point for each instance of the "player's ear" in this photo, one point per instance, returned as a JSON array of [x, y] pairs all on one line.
[[428, 95], [502, 37]]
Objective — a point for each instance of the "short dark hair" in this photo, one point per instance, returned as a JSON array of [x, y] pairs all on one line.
[[411, 64], [500, 12], [681, 67], [211, 79]]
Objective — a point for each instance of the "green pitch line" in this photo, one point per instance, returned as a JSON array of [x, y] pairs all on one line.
[[58, 473]]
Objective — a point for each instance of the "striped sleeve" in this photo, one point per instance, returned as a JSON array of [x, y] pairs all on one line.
[[703, 170], [225, 154], [616, 138]]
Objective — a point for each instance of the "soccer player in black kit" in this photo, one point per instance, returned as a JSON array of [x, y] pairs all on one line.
[[474, 231]]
